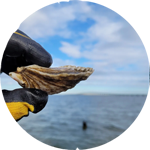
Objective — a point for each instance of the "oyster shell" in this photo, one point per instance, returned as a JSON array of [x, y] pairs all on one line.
[[50, 80]]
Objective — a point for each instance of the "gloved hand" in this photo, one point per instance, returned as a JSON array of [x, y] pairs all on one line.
[[21, 50]]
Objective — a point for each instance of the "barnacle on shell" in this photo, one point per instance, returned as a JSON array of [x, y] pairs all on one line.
[[50, 80]]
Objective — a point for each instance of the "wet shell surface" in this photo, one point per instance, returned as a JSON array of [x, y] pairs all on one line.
[[50, 80]]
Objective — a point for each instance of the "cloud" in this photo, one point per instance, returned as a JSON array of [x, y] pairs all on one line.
[[70, 50], [59, 62], [109, 44], [52, 22], [115, 51], [105, 30], [53, 19]]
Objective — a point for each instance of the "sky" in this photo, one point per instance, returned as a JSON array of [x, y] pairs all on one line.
[[90, 35]]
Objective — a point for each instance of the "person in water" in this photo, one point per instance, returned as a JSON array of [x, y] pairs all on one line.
[[21, 50], [84, 126]]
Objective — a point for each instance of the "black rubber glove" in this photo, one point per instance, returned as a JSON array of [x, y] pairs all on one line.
[[21, 101], [21, 50]]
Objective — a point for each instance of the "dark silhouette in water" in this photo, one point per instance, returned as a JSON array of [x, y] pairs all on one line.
[[84, 126]]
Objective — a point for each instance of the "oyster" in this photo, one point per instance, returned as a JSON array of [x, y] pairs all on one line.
[[50, 80]]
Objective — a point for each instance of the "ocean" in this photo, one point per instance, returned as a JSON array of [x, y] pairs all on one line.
[[71, 121]]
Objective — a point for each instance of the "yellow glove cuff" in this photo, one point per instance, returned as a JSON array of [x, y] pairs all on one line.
[[19, 109]]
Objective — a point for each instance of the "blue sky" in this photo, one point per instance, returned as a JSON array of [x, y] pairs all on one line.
[[90, 35]]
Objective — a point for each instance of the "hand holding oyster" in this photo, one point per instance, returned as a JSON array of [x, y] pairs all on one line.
[[50, 80]]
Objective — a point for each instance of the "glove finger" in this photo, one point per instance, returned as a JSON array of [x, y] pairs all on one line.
[[17, 49], [36, 54], [21, 101]]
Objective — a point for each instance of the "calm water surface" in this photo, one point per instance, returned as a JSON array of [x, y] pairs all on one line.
[[60, 123]]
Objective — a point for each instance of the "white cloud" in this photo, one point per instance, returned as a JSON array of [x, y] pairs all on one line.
[[49, 23], [70, 50], [105, 31], [107, 44], [22, 14], [57, 62], [53, 19], [118, 47]]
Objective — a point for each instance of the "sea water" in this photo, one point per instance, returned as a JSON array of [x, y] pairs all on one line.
[[60, 123]]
